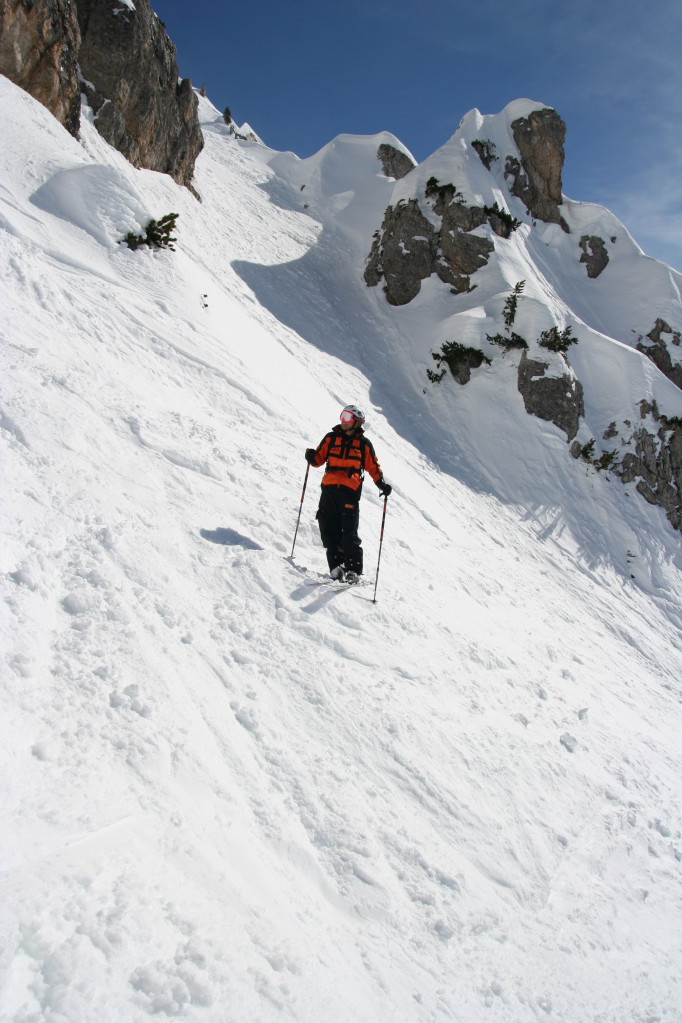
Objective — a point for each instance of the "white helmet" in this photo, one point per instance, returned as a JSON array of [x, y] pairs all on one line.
[[352, 414]]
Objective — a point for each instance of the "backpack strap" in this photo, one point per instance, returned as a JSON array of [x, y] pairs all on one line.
[[363, 452]]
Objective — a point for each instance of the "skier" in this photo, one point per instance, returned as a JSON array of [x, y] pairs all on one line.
[[348, 455]]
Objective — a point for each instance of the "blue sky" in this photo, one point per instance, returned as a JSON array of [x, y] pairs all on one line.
[[303, 72]]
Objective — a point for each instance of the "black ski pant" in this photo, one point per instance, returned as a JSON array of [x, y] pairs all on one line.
[[338, 517]]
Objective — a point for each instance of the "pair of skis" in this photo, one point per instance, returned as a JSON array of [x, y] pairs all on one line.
[[338, 585]]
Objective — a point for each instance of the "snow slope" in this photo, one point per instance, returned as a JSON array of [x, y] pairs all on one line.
[[232, 796]]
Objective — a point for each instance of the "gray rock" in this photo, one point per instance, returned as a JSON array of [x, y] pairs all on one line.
[[659, 352], [467, 359], [656, 463], [486, 151], [129, 69], [403, 254], [594, 254], [557, 400], [141, 107], [396, 164], [463, 253], [408, 249], [537, 177], [39, 43], [502, 228]]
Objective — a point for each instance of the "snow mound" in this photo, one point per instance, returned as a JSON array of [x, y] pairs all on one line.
[[99, 200]]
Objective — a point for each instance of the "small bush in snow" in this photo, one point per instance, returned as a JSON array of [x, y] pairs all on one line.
[[607, 460], [507, 341], [454, 352], [158, 234], [555, 340], [511, 304], [506, 218], [587, 451], [446, 193], [510, 339], [459, 358]]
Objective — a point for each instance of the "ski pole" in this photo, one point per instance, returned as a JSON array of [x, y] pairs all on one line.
[[381, 540], [300, 508]]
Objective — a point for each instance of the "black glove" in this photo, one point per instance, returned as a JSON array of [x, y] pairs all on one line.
[[310, 455], [384, 488]]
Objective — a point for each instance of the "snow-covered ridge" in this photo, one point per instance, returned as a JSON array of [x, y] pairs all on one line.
[[610, 314], [232, 795]]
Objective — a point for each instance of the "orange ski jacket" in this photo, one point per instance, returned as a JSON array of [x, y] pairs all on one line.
[[348, 457]]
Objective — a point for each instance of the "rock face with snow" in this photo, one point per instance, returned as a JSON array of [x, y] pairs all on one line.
[[536, 174], [408, 248], [659, 352], [656, 462], [396, 164], [39, 45], [141, 107], [403, 253], [594, 254], [129, 74], [457, 220], [556, 399]]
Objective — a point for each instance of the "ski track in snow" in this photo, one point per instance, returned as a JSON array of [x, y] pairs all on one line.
[[230, 798]]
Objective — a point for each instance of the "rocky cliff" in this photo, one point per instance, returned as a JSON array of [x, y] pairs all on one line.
[[411, 244], [408, 248], [39, 44], [536, 173], [142, 108], [657, 349], [395, 163], [656, 462], [556, 399], [504, 172], [127, 68]]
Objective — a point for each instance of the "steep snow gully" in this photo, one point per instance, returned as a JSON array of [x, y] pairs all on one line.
[[230, 796]]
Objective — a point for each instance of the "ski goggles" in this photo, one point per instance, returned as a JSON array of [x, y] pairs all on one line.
[[349, 417]]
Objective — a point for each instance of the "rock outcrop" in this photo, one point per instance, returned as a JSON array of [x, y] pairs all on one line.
[[556, 399], [536, 179], [141, 107], [396, 164], [656, 463], [39, 44], [486, 151], [129, 74], [403, 253], [408, 248], [460, 360], [659, 353], [594, 254]]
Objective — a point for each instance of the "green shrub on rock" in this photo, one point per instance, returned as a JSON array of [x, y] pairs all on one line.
[[555, 340], [508, 342], [459, 359]]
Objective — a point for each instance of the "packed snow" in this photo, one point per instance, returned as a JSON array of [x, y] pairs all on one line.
[[234, 796]]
